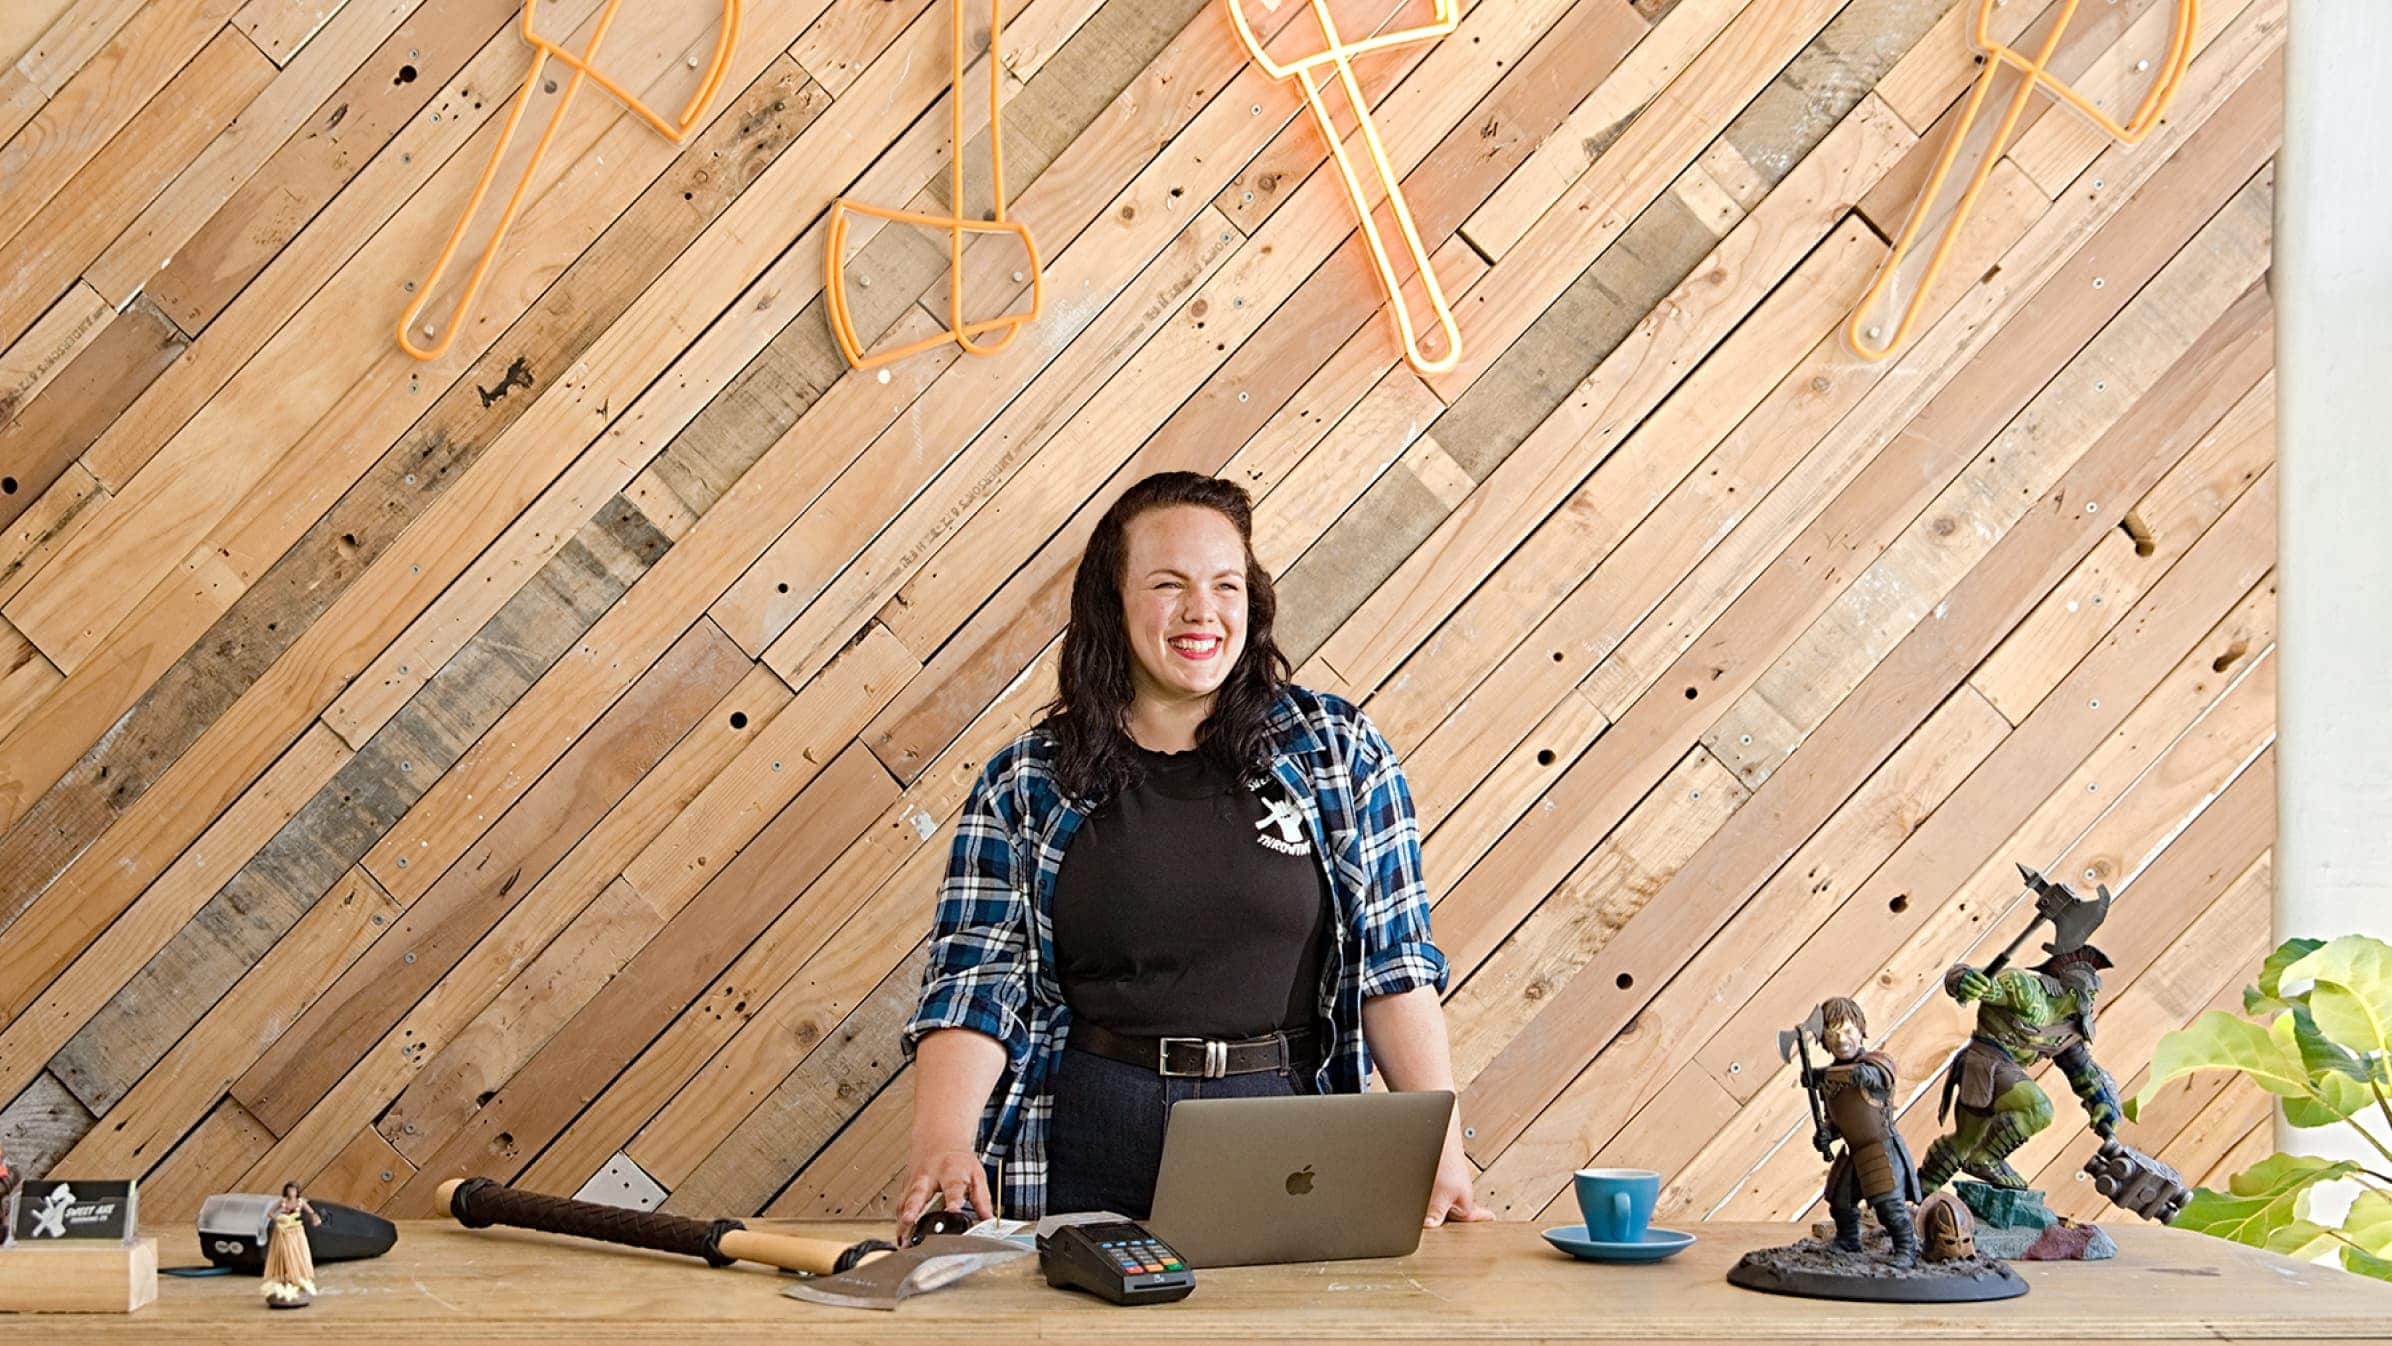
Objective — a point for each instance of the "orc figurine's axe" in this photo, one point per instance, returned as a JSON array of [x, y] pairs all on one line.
[[2072, 919]]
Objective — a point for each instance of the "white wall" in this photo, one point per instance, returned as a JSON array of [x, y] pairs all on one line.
[[2333, 293]]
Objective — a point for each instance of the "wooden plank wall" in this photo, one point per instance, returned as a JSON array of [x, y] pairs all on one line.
[[540, 761]]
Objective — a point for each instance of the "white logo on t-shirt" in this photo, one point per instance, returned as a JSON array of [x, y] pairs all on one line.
[[1290, 822]]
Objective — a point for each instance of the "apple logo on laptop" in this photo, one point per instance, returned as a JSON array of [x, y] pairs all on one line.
[[1299, 1183]]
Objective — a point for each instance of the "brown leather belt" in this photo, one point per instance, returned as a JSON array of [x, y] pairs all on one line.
[[1193, 1058]]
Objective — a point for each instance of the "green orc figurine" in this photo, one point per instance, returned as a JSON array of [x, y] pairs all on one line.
[[2023, 1016], [2026, 1015]]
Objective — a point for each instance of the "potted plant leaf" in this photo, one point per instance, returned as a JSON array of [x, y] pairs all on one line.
[[2325, 1051]]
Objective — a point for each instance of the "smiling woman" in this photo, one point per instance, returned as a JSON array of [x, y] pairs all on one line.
[[1141, 905]]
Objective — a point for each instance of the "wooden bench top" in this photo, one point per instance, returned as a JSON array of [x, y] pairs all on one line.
[[444, 1284]]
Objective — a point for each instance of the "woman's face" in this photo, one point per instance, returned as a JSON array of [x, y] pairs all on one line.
[[1183, 600]]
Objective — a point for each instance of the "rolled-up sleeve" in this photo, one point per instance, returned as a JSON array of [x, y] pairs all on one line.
[[1398, 950], [974, 977]]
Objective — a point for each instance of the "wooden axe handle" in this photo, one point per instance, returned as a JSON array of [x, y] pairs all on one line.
[[477, 1202]]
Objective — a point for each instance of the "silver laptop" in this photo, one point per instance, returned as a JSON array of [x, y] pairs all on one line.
[[1311, 1178]]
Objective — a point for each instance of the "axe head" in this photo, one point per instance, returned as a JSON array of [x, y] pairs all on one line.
[[2073, 921], [937, 1261], [1789, 1040]]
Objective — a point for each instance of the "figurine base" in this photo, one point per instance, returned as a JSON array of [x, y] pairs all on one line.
[[2016, 1224], [1810, 1269]]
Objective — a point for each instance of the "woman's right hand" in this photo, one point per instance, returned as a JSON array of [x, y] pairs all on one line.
[[955, 1175]]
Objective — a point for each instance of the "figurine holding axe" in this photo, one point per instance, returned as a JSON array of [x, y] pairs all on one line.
[[2026, 1015], [1852, 1100]]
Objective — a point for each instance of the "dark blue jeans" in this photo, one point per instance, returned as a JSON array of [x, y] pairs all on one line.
[[1105, 1133]]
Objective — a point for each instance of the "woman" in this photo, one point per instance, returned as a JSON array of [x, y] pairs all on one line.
[[290, 1265], [1187, 846]]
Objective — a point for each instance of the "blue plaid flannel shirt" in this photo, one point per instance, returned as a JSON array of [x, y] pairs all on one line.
[[992, 956]]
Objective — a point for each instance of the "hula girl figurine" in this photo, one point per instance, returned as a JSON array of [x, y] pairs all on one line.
[[290, 1267]]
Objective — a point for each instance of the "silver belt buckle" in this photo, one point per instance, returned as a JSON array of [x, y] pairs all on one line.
[[1216, 1059]]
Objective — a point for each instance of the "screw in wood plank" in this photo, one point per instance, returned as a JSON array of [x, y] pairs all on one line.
[[402, 862], [409, 287], [2094, 704], [776, 766], [410, 958], [1241, 397], [865, 281], [2099, 282], [1017, 277], [386, 1175], [1469, 1133], [411, 1128], [2092, 506], [1254, 111], [406, 766], [1735, 1067]]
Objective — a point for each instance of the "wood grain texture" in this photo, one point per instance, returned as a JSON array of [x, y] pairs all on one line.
[[1490, 1282], [549, 753]]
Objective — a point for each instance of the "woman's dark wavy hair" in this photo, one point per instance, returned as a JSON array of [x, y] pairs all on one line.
[[1089, 717]]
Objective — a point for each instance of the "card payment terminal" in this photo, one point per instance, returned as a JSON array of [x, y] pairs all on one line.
[[1116, 1259]]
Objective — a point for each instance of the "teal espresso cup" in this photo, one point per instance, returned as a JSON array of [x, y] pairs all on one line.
[[1617, 1202]]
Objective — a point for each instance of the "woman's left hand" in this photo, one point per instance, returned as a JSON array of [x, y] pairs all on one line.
[[1454, 1195]]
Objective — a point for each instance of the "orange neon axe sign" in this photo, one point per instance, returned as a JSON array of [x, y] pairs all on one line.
[[1332, 58], [583, 66], [964, 333], [1882, 321]]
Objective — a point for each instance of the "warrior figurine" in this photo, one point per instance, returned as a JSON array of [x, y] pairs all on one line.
[[1855, 1093], [2023, 1016]]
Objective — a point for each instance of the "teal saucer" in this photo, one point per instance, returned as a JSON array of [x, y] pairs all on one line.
[[1656, 1244]]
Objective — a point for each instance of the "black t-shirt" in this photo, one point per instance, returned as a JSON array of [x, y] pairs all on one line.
[[1188, 905]]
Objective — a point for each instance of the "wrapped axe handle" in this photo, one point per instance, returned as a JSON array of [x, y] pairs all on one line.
[[480, 1202]]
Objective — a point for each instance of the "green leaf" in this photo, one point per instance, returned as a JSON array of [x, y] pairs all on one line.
[[2302, 1239], [2219, 1041], [2369, 1223], [2269, 993], [2340, 1099], [2329, 1096], [2352, 998], [2261, 1200], [2320, 1053], [2366, 1264]]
